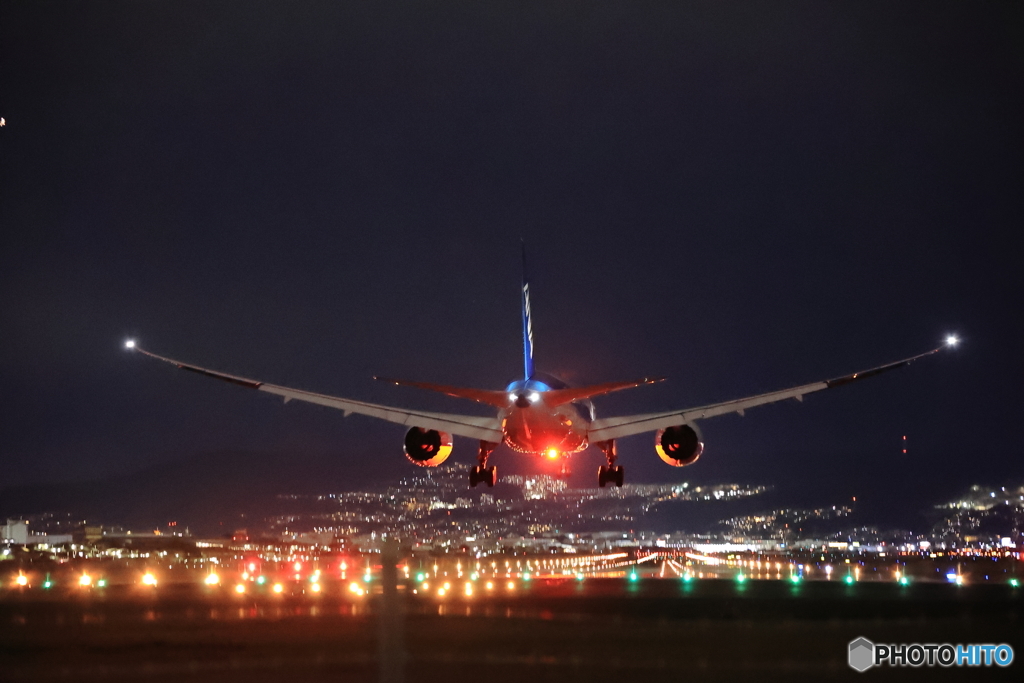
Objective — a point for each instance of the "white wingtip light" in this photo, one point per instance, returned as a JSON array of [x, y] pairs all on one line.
[[130, 344], [952, 340]]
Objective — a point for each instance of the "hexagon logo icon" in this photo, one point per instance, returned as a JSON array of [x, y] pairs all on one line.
[[862, 654]]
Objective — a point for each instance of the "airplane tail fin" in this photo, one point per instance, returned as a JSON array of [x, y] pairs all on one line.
[[557, 397], [498, 399], [527, 324]]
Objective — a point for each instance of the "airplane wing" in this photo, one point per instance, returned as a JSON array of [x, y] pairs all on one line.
[[617, 427], [485, 428]]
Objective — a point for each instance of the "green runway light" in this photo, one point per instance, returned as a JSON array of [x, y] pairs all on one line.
[[633, 576], [1014, 582], [740, 578], [261, 580], [849, 579], [49, 584], [366, 578], [420, 577], [795, 578], [904, 581], [579, 577], [526, 576], [102, 583], [687, 577]]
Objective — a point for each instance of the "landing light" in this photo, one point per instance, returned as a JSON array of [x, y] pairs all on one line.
[[533, 396], [952, 340], [130, 344]]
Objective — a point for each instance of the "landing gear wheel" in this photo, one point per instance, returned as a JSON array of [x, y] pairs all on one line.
[[610, 475], [483, 475]]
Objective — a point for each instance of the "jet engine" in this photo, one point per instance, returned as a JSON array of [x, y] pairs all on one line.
[[679, 446], [427, 447]]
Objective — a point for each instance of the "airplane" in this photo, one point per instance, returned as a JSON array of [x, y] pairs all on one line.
[[539, 415]]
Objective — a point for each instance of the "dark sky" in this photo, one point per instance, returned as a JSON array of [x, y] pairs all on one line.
[[739, 197]]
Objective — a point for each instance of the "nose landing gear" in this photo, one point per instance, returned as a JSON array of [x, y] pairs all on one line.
[[482, 474], [610, 473]]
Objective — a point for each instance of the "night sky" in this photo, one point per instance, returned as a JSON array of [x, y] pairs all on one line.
[[738, 197]]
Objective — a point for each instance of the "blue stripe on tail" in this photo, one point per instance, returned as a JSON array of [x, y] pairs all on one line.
[[527, 323]]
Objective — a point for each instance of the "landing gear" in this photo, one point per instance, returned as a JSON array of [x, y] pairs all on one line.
[[482, 474], [610, 473], [564, 472]]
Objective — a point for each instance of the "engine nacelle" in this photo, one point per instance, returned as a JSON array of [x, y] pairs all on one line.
[[427, 447], [679, 446]]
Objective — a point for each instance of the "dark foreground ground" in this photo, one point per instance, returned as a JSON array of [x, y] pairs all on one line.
[[598, 630]]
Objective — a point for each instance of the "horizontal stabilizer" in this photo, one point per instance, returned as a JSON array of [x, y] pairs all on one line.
[[557, 397], [498, 399]]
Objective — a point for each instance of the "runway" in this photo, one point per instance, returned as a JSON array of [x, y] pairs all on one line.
[[542, 629]]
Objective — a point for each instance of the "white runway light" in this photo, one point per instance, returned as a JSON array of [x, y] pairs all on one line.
[[130, 344]]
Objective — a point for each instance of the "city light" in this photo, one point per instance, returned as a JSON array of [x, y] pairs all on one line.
[[315, 587], [85, 580], [148, 579], [490, 585], [22, 580], [211, 579], [552, 453], [511, 586], [278, 588], [240, 588]]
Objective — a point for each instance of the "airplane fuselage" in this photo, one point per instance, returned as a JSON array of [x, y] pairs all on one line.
[[529, 425]]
